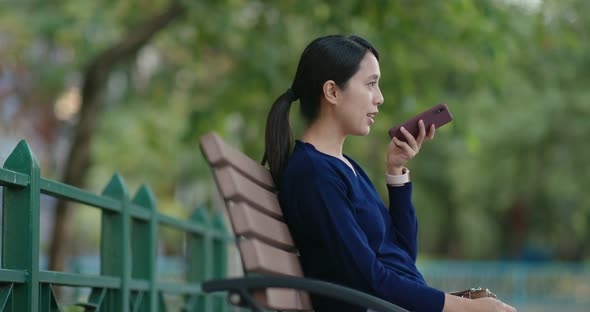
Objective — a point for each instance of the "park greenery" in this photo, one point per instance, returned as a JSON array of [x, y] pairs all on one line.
[[507, 179]]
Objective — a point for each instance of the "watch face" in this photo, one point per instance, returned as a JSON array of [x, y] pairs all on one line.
[[476, 293]]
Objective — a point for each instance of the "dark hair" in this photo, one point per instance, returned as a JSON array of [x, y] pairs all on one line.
[[334, 57]]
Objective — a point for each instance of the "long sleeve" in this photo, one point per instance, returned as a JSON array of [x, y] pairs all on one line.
[[403, 217], [327, 213]]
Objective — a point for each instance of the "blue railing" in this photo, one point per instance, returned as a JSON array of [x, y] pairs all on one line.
[[553, 285]]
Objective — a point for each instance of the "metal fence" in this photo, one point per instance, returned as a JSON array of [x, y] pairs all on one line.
[[128, 260], [128, 247]]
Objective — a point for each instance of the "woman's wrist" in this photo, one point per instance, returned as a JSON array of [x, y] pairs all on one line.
[[391, 170], [398, 179]]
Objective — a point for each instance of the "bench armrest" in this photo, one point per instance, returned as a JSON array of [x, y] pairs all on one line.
[[244, 285]]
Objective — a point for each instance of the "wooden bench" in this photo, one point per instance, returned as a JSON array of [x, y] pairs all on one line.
[[274, 278]]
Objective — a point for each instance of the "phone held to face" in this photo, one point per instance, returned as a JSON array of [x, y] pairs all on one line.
[[438, 116]]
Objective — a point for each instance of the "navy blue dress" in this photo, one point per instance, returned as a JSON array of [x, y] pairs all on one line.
[[346, 235]]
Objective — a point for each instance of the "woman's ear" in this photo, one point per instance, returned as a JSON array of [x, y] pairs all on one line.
[[330, 88]]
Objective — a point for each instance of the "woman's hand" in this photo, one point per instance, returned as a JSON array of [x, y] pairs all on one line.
[[492, 305], [400, 152], [457, 304]]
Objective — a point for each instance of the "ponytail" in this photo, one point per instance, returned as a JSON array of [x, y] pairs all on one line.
[[279, 136]]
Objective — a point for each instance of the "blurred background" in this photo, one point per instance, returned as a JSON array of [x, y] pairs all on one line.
[[97, 87]]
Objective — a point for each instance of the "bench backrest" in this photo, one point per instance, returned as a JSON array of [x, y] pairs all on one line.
[[264, 241]]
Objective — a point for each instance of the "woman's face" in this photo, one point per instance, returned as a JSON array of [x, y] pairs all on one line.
[[358, 101]]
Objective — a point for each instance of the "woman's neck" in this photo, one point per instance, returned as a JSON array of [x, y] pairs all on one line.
[[325, 137]]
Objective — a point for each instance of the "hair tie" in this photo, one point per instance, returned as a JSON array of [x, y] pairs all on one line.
[[291, 95]]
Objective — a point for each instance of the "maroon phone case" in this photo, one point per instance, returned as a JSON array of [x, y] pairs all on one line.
[[438, 115]]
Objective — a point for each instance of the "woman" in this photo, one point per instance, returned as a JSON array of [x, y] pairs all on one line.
[[343, 230]]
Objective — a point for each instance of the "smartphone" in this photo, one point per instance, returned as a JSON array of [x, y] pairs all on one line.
[[438, 116]]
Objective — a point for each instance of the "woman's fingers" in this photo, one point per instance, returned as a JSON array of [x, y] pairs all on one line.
[[421, 133], [410, 139], [431, 130], [408, 150]]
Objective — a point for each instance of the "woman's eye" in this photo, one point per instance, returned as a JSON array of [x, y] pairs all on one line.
[[372, 83]]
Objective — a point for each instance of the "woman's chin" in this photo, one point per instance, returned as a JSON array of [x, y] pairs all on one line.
[[364, 132]]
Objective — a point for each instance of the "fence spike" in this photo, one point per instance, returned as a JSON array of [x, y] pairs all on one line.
[[116, 188], [145, 198], [22, 158]]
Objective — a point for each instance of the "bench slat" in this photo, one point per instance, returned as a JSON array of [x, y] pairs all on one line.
[[219, 153], [259, 257], [283, 299], [249, 222], [235, 187]]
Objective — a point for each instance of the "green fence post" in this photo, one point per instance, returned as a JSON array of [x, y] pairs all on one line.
[[20, 227], [144, 247], [114, 243], [219, 256], [199, 264]]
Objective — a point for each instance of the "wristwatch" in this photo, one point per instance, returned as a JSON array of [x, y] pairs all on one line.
[[475, 293]]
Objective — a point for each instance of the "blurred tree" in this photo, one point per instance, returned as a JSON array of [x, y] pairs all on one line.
[[94, 79], [507, 176]]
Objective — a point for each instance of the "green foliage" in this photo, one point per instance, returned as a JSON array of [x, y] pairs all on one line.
[[509, 174]]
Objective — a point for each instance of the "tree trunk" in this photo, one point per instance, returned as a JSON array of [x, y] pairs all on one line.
[[94, 81], [516, 223]]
